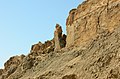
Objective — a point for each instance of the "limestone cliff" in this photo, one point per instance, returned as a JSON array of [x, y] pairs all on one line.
[[91, 50], [91, 18]]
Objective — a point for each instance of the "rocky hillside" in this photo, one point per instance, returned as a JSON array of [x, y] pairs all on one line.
[[91, 49]]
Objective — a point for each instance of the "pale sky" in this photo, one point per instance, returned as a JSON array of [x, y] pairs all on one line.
[[26, 22]]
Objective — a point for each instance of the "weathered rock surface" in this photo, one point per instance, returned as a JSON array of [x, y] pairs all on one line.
[[59, 38], [72, 76], [1, 71], [10, 66], [40, 48], [90, 19], [92, 51]]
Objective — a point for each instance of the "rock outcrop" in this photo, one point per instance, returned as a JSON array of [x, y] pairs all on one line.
[[11, 65], [59, 38], [91, 49], [91, 18], [40, 48]]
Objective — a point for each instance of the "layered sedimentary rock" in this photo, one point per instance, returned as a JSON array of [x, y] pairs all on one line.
[[92, 52], [91, 18]]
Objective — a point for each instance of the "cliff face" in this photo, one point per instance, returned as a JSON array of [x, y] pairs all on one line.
[[92, 50], [91, 18]]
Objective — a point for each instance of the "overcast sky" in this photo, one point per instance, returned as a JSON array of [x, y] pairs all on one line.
[[25, 22]]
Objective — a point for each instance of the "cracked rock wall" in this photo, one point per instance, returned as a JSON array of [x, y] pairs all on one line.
[[91, 18]]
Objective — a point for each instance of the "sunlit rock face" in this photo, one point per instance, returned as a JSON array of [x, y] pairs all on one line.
[[91, 18], [91, 49], [59, 38]]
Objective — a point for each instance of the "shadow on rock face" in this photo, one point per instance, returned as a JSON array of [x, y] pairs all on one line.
[[72, 76], [114, 74], [1, 71]]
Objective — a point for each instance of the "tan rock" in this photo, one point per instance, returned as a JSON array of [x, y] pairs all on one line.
[[60, 40], [48, 43], [71, 16], [35, 48], [27, 63], [91, 18], [93, 47], [11, 65], [1, 71], [72, 76], [42, 48], [57, 35], [13, 61]]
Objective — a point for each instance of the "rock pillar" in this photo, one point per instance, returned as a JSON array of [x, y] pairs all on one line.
[[60, 40]]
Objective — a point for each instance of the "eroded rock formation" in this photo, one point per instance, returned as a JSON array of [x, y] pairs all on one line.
[[92, 52], [91, 18], [59, 38], [41, 48], [11, 66]]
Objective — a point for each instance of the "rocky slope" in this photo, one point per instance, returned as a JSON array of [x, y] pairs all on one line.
[[92, 50]]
